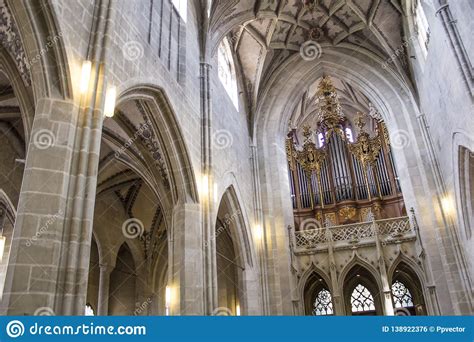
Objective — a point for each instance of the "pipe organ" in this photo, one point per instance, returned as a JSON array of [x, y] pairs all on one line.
[[336, 178]]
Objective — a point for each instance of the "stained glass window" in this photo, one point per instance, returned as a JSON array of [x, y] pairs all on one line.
[[321, 139], [182, 7], [88, 310], [323, 304], [422, 28], [226, 71], [349, 135], [401, 295], [362, 300]]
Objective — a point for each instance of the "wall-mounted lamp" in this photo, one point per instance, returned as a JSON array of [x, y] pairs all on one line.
[[258, 232], [448, 205], [167, 300], [237, 310], [85, 76], [109, 106], [204, 191]]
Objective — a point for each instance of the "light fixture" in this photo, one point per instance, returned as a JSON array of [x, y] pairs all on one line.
[[204, 185], [109, 106], [447, 204], [258, 232], [85, 76], [167, 300], [237, 310]]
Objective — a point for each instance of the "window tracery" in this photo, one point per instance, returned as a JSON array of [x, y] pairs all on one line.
[[182, 8], [323, 304], [362, 300], [88, 310], [402, 297], [226, 70]]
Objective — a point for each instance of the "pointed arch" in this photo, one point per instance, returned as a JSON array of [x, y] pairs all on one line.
[[407, 273], [166, 126], [123, 283], [37, 23], [234, 255], [357, 275], [312, 282]]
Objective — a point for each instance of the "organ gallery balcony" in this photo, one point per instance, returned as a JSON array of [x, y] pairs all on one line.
[[364, 234]]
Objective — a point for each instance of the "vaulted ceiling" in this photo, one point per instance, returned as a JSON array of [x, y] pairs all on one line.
[[265, 33]]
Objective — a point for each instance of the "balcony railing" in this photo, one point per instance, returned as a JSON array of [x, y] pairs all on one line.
[[353, 233]]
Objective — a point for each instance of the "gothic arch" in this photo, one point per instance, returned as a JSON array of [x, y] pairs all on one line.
[[358, 271], [21, 91], [361, 275], [123, 292], [37, 24], [414, 267], [311, 282], [165, 124], [408, 274], [232, 231], [391, 95], [227, 185]]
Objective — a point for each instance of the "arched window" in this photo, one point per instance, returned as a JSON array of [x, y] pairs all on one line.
[[323, 304], [402, 297], [182, 8], [362, 300], [89, 311], [321, 139], [349, 134], [421, 28], [226, 71]]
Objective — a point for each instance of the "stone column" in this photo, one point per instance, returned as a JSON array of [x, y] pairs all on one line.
[[104, 288], [386, 287], [49, 259], [336, 291], [186, 270], [207, 199]]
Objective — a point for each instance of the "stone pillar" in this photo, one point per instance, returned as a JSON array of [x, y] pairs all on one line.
[[386, 290], [104, 288], [336, 291], [186, 269], [49, 259], [207, 199]]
